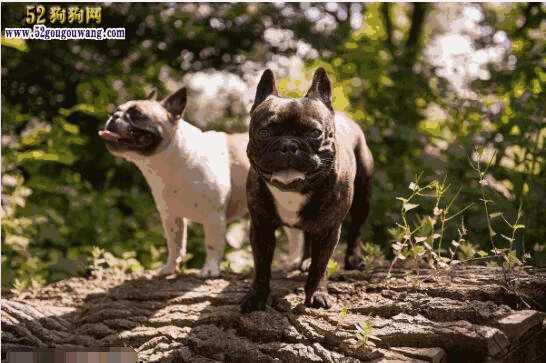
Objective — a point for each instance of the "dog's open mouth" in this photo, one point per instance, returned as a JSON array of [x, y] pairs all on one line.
[[137, 139], [286, 179], [109, 135], [288, 176]]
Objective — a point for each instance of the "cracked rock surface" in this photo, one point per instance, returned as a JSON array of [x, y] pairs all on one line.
[[470, 314]]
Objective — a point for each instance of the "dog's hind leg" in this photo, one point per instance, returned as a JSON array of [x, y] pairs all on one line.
[[361, 205]]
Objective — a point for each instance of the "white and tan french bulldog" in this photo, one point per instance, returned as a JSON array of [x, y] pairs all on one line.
[[194, 175]]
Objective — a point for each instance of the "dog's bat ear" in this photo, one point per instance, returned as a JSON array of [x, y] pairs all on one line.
[[321, 88], [266, 87], [176, 103], [152, 96]]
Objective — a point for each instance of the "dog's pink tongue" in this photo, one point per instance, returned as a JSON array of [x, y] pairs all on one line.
[[288, 176], [108, 135]]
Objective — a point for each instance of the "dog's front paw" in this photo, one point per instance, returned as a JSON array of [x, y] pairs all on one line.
[[253, 301], [319, 300], [209, 271], [305, 264], [211, 268], [168, 269], [354, 262]]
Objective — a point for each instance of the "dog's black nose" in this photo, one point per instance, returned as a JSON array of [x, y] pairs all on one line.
[[111, 124], [289, 147], [118, 125]]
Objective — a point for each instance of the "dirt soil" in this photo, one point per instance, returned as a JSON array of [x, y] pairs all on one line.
[[469, 314]]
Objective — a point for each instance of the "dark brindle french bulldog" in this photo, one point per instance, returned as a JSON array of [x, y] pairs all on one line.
[[309, 168]]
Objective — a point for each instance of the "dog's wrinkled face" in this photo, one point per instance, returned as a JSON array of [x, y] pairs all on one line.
[[292, 140], [143, 127]]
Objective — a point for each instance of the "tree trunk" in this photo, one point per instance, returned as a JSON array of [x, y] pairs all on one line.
[[470, 314], [413, 42]]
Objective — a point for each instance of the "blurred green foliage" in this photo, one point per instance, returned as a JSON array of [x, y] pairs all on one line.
[[390, 87], [64, 195]]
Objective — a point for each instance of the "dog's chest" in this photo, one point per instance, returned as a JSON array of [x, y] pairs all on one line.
[[288, 204], [194, 183]]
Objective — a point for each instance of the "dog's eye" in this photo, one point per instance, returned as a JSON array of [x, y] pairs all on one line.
[[315, 133], [264, 132]]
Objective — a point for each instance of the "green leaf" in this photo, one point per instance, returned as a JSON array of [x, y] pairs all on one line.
[[15, 43], [86, 108], [409, 206], [71, 128], [397, 246], [495, 215]]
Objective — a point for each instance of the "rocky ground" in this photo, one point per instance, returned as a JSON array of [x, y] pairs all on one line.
[[469, 314]]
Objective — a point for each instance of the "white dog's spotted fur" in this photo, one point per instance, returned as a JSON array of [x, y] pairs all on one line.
[[191, 180]]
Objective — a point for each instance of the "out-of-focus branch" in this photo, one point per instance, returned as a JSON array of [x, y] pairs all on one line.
[[385, 11], [415, 33]]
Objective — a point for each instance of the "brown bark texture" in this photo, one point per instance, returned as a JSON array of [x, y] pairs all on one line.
[[468, 314]]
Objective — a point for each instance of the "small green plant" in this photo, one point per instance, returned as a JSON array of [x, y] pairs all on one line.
[[364, 331], [342, 316], [372, 256], [331, 268], [508, 255], [20, 286], [102, 260], [420, 238], [343, 313]]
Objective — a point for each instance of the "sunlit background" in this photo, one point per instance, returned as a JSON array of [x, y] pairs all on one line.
[[436, 89]]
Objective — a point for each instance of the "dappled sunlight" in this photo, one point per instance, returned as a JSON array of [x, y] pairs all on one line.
[[428, 83]]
